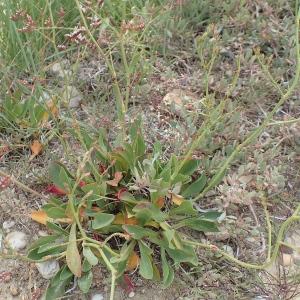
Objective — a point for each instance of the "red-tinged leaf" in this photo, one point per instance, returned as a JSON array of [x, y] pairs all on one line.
[[39, 216], [64, 220], [131, 221], [53, 111], [72, 254], [127, 284], [97, 237], [133, 261], [36, 148], [121, 219], [82, 183], [102, 168], [160, 202], [82, 213], [96, 209], [120, 192], [53, 189], [117, 178], [177, 199]]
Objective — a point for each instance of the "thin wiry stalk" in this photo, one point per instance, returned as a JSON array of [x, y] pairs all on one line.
[[23, 186], [269, 261], [121, 110], [217, 178], [269, 226]]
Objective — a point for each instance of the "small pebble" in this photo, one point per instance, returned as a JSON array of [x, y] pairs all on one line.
[[72, 96], [251, 240], [286, 260], [42, 233], [48, 268], [58, 70], [228, 249], [177, 99], [16, 240], [7, 225], [131, 294], [44, 97], [97, 297], [14, 290]]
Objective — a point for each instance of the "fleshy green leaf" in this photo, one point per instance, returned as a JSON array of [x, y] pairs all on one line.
[[190, 166], [185, 208], [140, 146], [210, 215], [86, 266], [127, 197], [156, 274], [186, 254], [55, 212], [43, 240], [51, 248], [195, 188], [60, 176], [58, 284], [168, 273], [145, 211], [95, 188], [72, 254], [138, 232], [146, 268], [56, 228], [90, 256], [85, 282], [169, 234], [125, 252], [199, 224], [33, 254], [65, 273], [44, 246], [102, 220]]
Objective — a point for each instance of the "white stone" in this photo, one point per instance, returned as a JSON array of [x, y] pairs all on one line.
[[97, 297], [48, 268], [58, 70], [7, 225], [14, 290], [286, 260], [228, 249], [16, 240], [44, 98], [72, 96], [42, 233], [131, 294], [179, 99]]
